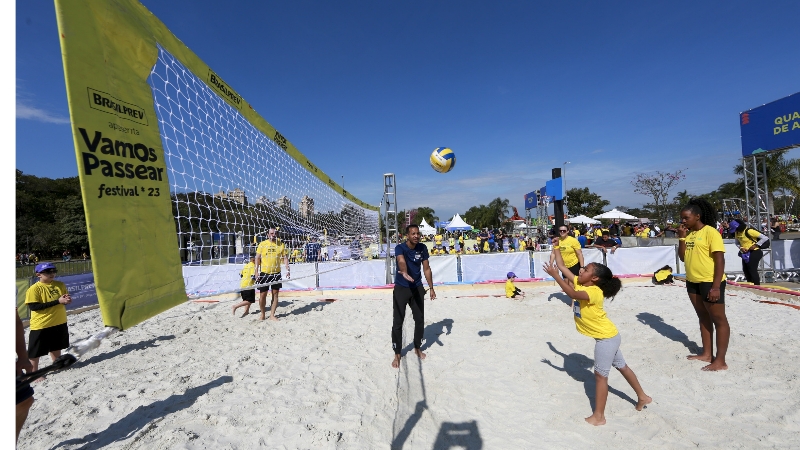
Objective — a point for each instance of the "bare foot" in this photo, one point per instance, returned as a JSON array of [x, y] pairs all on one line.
[[420, 354], [643, 401], [273, 318], [261, 317], [244, 314], [233, 310], [714, 366], [396, 362], [706, 358], [596, 421]]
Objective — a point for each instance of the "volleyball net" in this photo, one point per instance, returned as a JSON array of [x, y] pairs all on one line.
[[181, 178]]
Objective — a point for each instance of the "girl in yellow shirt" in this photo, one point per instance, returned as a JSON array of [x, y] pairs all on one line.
[[700, 247], [587, 290]]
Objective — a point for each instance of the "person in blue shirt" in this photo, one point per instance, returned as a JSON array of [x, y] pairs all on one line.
[[412, 261], [582, 238]]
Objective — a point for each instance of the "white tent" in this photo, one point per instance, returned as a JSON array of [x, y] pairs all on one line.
[[426, 229], [583, 219], [615, 214], [458, 224]]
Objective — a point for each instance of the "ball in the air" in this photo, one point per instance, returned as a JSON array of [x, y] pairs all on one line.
[[443, 159]]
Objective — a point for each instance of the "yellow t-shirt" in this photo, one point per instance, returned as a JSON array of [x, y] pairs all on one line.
[[748, 239], [247, 273], [521, 244], [590, 317], [698, 256], [452, 242], [662, 275], [43, 293], [485, 246], [438, 239], [510, 288], [598, 232], [568, 246], [461, 240], [271, 254], [576, 233]]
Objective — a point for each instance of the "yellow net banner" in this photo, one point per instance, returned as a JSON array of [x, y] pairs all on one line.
[[109, 48]]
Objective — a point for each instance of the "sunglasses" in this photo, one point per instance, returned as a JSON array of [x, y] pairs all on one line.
[[563, 231], [49, 271]]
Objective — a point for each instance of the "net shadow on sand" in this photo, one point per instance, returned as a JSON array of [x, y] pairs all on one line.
[[141, 417]]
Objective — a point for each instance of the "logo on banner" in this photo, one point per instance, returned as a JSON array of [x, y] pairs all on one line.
[[107, 103], [223, 89]]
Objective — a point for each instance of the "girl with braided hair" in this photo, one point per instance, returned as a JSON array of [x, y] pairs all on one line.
[[588, 289], [701, 249]]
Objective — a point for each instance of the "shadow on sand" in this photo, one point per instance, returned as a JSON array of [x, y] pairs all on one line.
[[561, 296], [668, 331], [579, 367], [431, 335], [143, 416], [150, 343]]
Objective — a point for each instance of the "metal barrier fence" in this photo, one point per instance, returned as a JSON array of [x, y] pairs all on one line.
[[71, 267]]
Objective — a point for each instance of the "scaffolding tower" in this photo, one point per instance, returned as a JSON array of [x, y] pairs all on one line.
[[390, 221], [756, 196]]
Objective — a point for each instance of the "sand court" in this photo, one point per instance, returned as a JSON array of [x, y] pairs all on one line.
[[500, 373]]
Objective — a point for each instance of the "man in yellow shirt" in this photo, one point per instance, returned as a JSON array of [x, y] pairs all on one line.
[[268, 258], [437, 241]]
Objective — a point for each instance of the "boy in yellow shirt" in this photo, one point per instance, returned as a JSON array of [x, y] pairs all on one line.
[[46, 300], [511, 290], [248, 276]]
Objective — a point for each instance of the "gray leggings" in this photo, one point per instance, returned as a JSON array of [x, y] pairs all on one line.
[[606, 354]]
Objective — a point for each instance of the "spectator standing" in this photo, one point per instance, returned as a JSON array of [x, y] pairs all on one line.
[[47, 299]]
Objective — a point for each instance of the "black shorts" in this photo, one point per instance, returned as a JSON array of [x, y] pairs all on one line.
[[46, 340], [576, 269], [704, 288], [265, 278], [249, 295], [24, 392]]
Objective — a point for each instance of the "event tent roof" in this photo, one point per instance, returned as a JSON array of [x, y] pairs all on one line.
[[458, 224], [426, 229], [615, 214], [583, 219]]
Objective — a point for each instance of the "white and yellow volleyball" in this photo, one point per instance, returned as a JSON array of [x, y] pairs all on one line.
[[443, 159]]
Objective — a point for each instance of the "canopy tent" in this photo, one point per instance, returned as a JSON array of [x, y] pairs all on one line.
[[615, 214], [583, 219], [426, 229], [458, 224]]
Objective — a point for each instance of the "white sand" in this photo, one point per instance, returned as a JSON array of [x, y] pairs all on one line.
[[197, 377]]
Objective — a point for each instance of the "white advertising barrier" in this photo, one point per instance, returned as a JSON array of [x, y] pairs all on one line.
[[352, 273], [639, 260], [444, 269], [202, 280], [590, 255], [785, 253], [494, 266]]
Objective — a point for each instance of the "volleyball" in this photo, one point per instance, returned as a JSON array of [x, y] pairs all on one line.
[[443, 159]]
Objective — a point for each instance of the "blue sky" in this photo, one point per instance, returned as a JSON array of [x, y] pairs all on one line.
[[514, 88]]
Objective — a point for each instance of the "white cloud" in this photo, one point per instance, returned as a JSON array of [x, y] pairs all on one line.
[[26, 111], [598, 151]]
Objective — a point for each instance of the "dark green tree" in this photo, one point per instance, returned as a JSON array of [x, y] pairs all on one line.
[[583, 201]]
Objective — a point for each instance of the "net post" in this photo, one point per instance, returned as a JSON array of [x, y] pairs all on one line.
[[389, 220]]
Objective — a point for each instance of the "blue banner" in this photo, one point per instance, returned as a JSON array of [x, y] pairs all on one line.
[[555, 188], [530, 200], [81, 289], [771, 127]]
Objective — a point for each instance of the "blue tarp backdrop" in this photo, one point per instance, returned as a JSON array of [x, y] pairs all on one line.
[[770, 127]]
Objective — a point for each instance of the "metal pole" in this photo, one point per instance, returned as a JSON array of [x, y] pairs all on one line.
[[564, 175]]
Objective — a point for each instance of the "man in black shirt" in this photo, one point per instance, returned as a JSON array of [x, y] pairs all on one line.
[[605, 242]]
